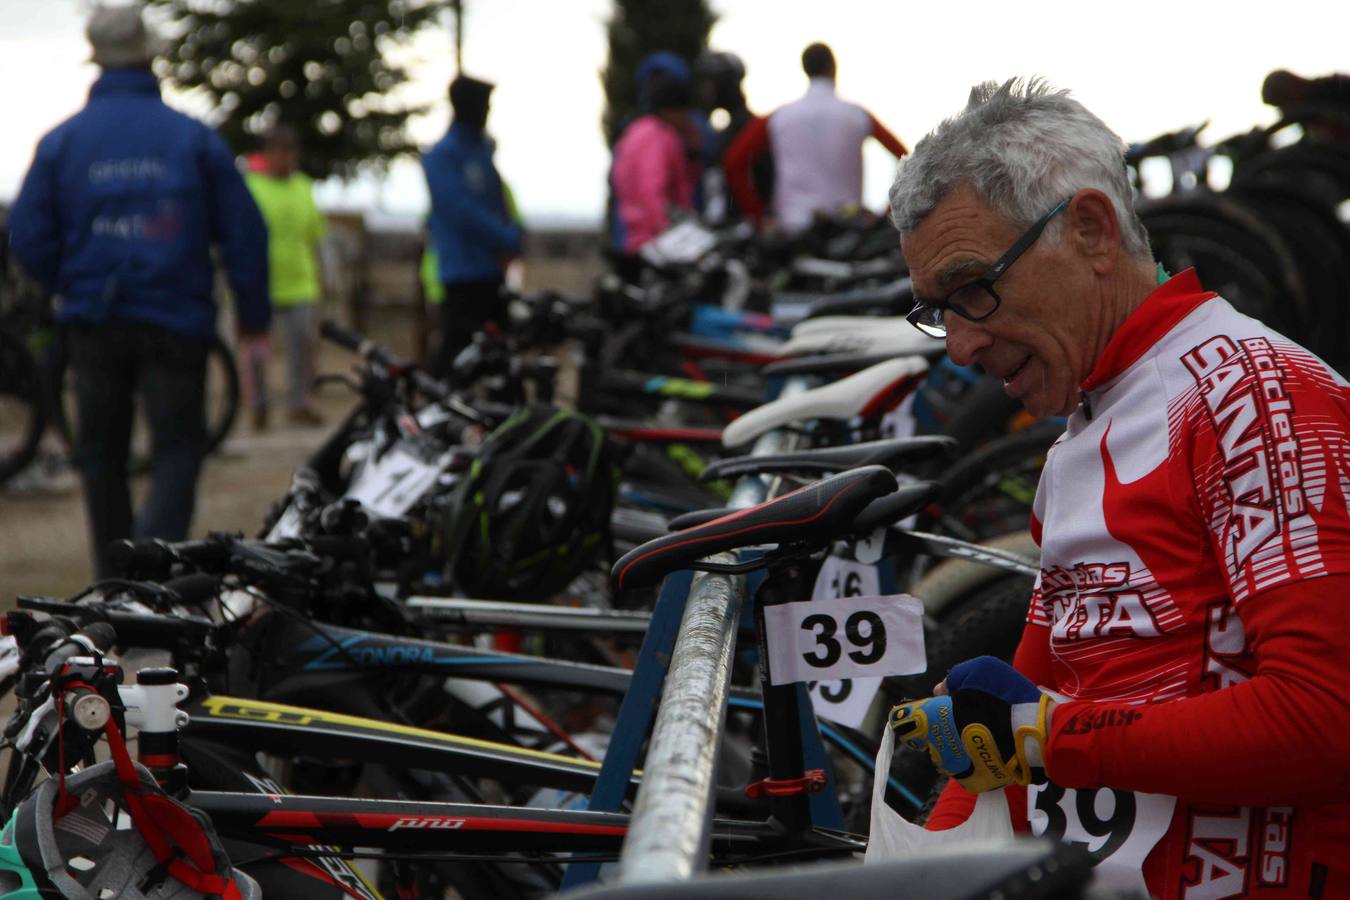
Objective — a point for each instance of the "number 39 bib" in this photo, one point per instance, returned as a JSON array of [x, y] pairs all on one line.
[[1118, 828]]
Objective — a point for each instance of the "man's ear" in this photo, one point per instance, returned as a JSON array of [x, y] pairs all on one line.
[[1093, 230]]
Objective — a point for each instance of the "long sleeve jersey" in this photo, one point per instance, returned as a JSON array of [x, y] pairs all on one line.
[[122, 205], [1192, 610]]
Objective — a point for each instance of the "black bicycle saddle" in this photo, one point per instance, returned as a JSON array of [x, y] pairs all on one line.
[[816, 513]]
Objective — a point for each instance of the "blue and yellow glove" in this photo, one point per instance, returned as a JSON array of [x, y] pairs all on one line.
[[987, 732]]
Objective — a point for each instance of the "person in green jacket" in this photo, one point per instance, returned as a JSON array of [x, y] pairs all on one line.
[[294, 228]]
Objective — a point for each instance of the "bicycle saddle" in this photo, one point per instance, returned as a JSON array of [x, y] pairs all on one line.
[[840, 364], [889, 453], [908, 499], [817, 513], [865, 393], [857, 334], [888, 299]]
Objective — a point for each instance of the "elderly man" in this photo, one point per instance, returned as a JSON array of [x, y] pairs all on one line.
[[1178, 701]]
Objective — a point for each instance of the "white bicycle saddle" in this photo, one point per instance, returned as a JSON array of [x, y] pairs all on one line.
[[861, 335], [844, 399]]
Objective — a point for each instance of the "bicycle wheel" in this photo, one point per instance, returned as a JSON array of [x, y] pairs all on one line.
[[989, 492], [22, 410], [1234, 253], [221, 409]]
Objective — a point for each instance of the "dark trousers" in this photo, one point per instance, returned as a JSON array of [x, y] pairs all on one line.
[[466, 307], [115, 365]]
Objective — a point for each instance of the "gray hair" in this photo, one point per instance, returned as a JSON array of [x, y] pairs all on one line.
[[1023, 147]]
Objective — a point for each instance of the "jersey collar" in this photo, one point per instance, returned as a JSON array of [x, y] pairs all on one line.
[[1161, 310]]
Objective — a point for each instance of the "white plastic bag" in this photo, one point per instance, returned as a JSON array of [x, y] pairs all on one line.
[[894, 838]]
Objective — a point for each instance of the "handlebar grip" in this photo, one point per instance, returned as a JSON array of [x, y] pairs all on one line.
[[194, 589], [153, 558], [146, 555], [343, 337], [100, 635]]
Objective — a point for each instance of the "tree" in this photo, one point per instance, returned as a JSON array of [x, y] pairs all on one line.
[[321, 66], [640, 27]]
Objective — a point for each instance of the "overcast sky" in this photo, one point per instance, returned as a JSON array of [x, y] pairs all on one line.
[[1145, 67]]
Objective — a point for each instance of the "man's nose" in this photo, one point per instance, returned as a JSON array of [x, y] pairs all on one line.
[[965, 340]]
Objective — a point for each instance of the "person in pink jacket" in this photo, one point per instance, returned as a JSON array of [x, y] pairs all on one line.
[[655, 168]]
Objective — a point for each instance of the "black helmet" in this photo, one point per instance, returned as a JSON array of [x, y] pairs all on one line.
[[533, 510], [721, 73]]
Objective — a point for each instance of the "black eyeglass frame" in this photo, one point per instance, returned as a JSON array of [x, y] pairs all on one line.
[[986, 281]]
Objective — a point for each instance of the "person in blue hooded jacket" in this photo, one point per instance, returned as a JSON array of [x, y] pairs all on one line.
[[117, 217], [472, 230]]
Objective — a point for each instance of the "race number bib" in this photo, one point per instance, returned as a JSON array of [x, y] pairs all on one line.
[[1117, 828], [391, 485], [844, 700], [844, 638]]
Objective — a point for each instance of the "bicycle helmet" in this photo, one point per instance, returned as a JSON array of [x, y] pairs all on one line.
[[724, 72], [657, 70], [96, 850], [533, 510]]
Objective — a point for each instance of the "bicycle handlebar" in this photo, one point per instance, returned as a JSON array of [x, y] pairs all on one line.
[[364, 347], [348, 339], [155, 557], [95, 636]]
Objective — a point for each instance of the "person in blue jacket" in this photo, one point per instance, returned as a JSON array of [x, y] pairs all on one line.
[[117, 217], [471, 227]]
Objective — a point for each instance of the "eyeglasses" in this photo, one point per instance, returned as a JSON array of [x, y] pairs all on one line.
[[977, 299]]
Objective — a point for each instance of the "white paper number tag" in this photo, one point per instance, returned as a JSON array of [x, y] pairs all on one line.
[[847, 637], [686, 242], [1117, 828], [391, 485], [841, 577], [844, 700]]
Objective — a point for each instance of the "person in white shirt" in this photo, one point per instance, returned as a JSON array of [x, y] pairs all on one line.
[[816, 144]]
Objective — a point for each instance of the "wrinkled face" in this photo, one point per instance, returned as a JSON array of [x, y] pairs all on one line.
[[1040, 339]]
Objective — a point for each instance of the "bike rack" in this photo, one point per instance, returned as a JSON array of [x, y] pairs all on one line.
[[669, 830], [683, 701]]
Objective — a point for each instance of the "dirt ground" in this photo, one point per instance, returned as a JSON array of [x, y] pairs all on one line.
[[44, 545]]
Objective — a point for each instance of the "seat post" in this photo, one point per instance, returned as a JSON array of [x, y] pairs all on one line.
[[787, 583]]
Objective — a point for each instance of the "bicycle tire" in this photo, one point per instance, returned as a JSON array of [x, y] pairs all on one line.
[[989, 492], [1322, 249], [222, 404], [1322, 166], [21, 389], [1234, 253]]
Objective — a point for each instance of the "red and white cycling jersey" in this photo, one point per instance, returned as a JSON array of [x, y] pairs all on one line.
[[1209, 465], [1214, 463]]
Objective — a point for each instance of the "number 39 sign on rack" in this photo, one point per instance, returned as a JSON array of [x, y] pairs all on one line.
[[843, 645]]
